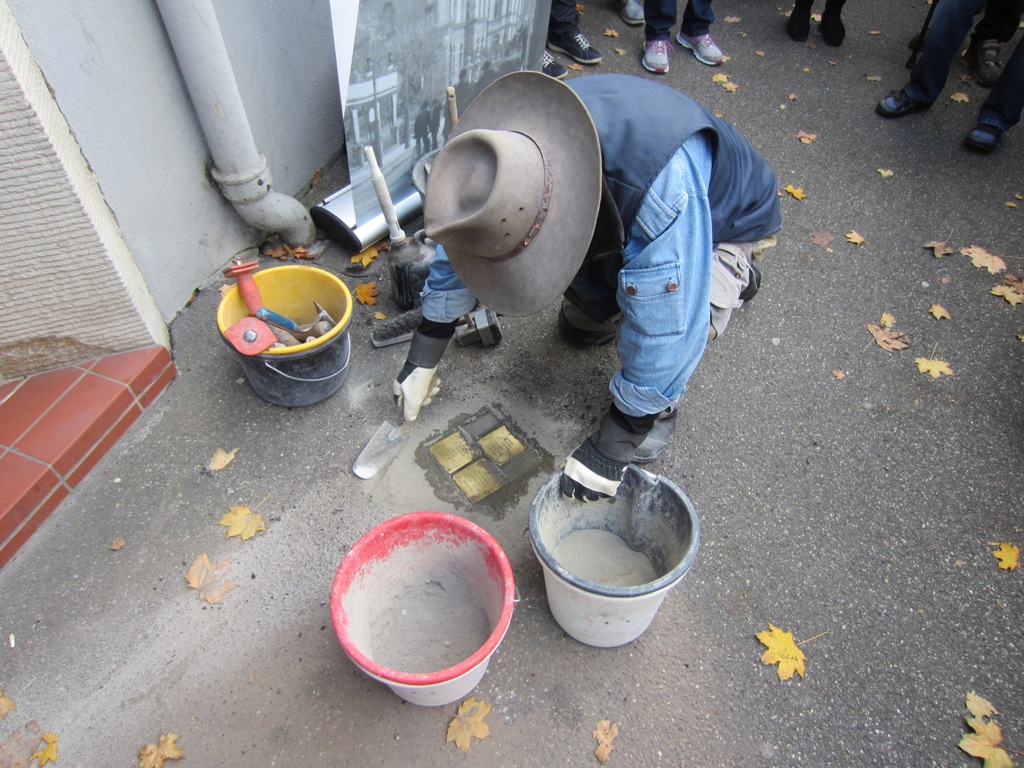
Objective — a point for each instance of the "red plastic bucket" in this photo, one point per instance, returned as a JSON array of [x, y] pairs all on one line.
[[421, 602]]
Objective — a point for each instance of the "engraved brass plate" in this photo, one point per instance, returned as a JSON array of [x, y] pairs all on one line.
[[453, 452], [477, 480], [501, 445]]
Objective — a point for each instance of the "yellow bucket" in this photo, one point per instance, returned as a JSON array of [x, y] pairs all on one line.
[[305, 373]]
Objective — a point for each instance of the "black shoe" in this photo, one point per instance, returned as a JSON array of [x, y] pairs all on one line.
[[832, 29], [982, 57], [576, 47], [984, 137], [799, 25], [655, 441], [755, 282], [552, 68], [584, 338], [898, 104]]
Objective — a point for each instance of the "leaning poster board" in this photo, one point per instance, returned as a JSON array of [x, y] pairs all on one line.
[[396, 59]]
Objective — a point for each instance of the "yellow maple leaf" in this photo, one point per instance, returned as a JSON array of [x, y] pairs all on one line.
[[840, 375], [730, 87], [960, 97], [1009, 292], [366, 256], [874, 78], [605, 733], [242, 521], [885, 173], [6, 705], [1008, 556], [731, 19], [469, 723], [380, 315], [933, 367], [792, 97], [982, 259], [806, 138], [721, 77], [854, 237], [47, 754], [208, 579], [117, 544], [796, 192], [887, 320], [221, 459], [574, 65], [609, 32], [166, 748], [938, 248], [759, 53], [939, 312], [620, 51], [367, 293], [1010, 204], [979, 707], [984, 743], [782, 649]]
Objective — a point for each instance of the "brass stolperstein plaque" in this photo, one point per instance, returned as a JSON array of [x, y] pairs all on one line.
[[476, 480], [453, 452], [501, 445]]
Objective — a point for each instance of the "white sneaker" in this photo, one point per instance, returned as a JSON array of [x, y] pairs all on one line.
[[703, 48], [656, 56]]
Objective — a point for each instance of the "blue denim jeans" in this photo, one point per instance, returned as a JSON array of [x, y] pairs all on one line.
[[660, 17], [1005, 101], [950, 25]]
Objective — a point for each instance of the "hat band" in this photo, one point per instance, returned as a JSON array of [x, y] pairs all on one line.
[[542, 213]]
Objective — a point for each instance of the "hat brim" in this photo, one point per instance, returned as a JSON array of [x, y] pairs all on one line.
[[553, 115]]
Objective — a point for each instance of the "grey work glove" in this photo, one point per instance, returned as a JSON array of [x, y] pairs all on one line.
[[417, 382], [595, 468]]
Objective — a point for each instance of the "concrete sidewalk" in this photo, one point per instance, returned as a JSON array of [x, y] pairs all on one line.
[[858, 511]]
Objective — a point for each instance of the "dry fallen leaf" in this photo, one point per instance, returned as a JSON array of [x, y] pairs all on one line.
[[982, 259], [933, 367], [153, 755], [979, 707], [796, 192], [47, 754], [885, 173], [380, 315], [782, 649], [887, 339], [854, 237], [609, 32], [367, 293], [221, 459], [840, 375], [605, 733], [117, 544], [759, 53], [939, 312], [208, 579], [875, 78], [621, 51], [242, 521], [731, 87], [366, 256], [792, 97], [6, 705], [731, 19], [1008, 556], [806, 138], [1012, 289], [938, 248], [824, 239], [887, 320], [1010, 204], [469, 723], [960, 97], [720, 77], [984, 743], [573, 65]]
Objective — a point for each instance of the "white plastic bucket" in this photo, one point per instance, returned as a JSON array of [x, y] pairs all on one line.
[[421, 603], [650, 515]]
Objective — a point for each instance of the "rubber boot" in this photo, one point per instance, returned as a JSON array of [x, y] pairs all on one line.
[[832, 29], [799, 24]]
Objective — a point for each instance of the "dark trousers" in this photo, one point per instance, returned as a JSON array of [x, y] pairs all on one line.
[[564, 21]]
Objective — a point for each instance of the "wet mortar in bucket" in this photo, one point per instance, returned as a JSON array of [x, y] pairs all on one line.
[[608, 565], [421, 602]]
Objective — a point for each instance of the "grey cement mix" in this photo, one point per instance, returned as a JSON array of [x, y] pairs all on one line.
[[856, 511]]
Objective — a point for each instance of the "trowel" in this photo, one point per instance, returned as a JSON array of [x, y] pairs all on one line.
[[385, 441]]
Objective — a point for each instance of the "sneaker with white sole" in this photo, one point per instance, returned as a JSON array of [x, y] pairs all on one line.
[[656, 56], [551, 67], [703, 48], [631, 12], [576, 47]]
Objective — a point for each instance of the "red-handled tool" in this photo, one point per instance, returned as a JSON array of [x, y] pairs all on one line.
[[250, 335]]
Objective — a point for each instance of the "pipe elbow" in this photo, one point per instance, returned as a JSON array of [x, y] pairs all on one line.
[[254, 199]]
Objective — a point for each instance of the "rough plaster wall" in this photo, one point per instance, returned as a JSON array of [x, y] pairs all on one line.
[[70, 289], [113, 74]]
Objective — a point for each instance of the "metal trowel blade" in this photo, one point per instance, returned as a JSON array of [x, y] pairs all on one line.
[[385, 441]]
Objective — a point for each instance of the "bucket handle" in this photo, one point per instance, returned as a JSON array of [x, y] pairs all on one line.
[[348, 356]]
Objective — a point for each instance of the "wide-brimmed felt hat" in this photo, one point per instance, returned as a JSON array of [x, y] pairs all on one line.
[[514, 193]]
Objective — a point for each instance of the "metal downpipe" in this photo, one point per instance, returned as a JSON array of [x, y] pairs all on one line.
[[239, 169]]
